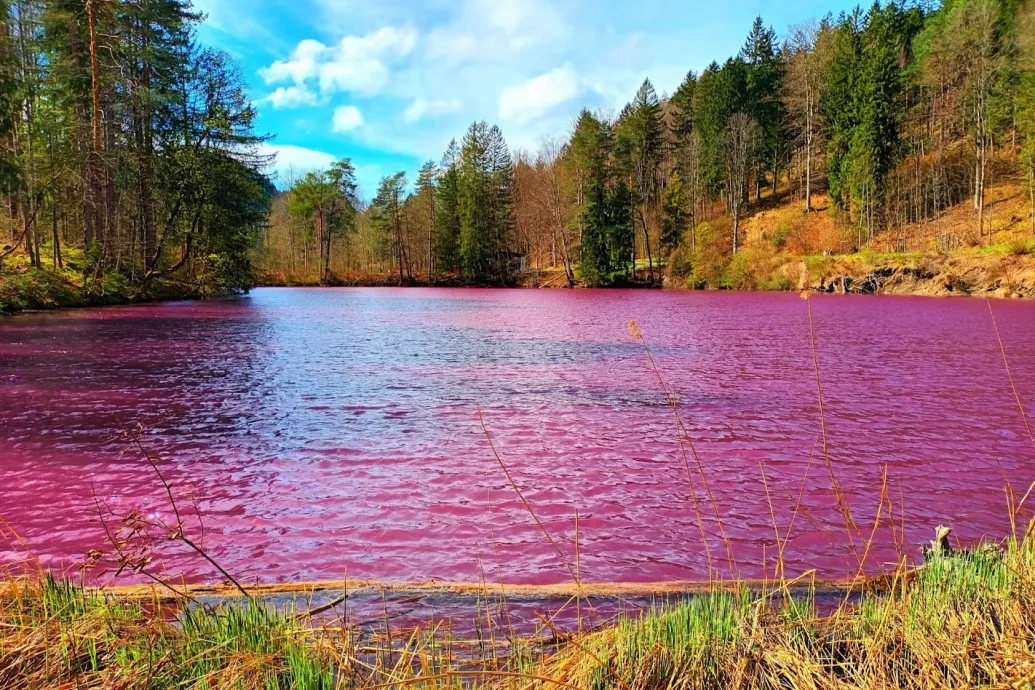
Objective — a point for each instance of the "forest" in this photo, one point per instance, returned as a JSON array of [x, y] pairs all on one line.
[[129, 154], [879, 120], [130, 158]]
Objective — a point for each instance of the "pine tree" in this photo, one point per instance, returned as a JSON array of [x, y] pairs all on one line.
[[8, 102], [588, 152], [639, 141], [682, 104], [485, 174], [838, 102], [476, 227], [765, 70], [1025, 32], [387, 217], [447, 213], [607, 238], [501, 174], [721, 92], [427, 183]]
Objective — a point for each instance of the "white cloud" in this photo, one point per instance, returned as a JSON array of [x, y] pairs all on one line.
[[355, 63], [291, 97], [537, 96], [421, 108], [303, 64], [292, 161], [496, 30], [347, 118]]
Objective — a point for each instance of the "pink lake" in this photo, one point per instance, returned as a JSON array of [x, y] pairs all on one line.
[[325, 432]]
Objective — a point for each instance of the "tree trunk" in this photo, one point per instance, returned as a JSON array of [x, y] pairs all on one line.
[[1031, 196], [646, 243], [980, 197], [94, 179], [146, 147], [320, 231], [736, 226], [327, 259], [58, 263], [397, 222], [431, 239], [808, 177], [776, 172]]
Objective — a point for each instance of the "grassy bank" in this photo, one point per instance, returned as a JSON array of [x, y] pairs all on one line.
[[26, 288], [997, 271], [965, 619]]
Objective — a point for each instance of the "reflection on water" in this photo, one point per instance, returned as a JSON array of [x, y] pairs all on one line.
[[325, 432]]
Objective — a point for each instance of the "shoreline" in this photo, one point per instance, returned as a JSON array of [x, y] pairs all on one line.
[[963, 615], [804, 582], [963, 274]]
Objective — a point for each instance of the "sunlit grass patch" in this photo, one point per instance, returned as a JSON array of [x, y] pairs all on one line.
[[964, 619]]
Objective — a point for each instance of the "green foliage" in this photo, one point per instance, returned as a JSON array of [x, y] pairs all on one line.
[[637, 145], [741, 271], [425, 198], [139, 138], [326, 203], [711, 255], [447, 213], [605, 214], [765, 71], [8, 102], [669, 643], [387, 219], [862, 102], [483, 200], [721, 92], [674, 215], [682, 103], [239, 201]]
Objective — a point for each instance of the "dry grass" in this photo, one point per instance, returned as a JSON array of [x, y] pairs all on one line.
[[964, 619]]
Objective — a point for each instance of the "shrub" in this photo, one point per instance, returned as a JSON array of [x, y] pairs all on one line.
[[711, 256], [680, 265], [740, 273], [1022, 247]]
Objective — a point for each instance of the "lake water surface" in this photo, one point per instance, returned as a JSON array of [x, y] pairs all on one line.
[[325, 432]]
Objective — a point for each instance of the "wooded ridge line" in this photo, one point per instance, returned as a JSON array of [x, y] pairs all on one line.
[[129, 158]]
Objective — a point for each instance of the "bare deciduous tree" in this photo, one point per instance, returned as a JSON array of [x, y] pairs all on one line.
[[739, 141]]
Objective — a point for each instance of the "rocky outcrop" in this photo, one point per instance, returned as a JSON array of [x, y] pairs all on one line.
[[982, 274]]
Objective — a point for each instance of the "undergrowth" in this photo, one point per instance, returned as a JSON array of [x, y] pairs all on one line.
[[964, 619]]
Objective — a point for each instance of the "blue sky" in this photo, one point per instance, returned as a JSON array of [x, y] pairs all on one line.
[[387, 83]]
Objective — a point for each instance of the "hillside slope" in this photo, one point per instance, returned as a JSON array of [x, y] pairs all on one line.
[[784, 248]]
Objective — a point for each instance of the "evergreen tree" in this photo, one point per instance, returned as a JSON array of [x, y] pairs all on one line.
[[1025, 33], [839, 101], [674, 218], [485, 173], [765, 70], [427, 190], [606, 243], [682, 105], [447, 212], [477, 249], [501, 174], [387, 217], [8, 102], [721, 92], [639, 139]]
